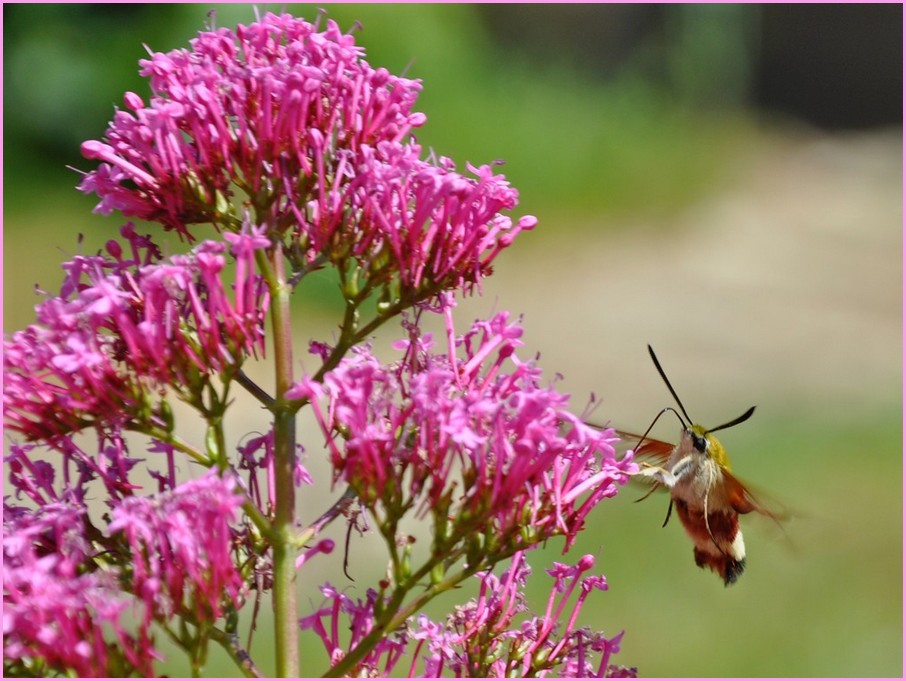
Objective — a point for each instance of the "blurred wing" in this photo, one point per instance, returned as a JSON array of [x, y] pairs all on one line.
[[650, 450], [743, 500]]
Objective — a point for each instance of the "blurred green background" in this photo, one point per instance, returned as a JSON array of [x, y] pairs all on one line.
[[721, 181]]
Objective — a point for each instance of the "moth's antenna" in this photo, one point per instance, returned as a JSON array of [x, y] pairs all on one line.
[[736, 421], [642, 439], [669, 387], [656, 418]]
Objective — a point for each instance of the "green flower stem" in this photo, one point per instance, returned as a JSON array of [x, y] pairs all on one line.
[[283, 540], [351, 334], [227, 640], [169, 438], [254, 389], [230, 643], [261, 522], [218, 442]]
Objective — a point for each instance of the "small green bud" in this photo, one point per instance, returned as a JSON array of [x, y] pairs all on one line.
[[437, 573], [211, 445], [221, 204], [166, 415]]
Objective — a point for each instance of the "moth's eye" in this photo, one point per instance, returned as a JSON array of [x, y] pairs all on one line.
[[699, 443]]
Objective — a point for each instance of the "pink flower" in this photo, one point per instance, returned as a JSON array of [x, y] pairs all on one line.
[[57, 607], [182, 544], [70, 478], [122, 324], [72, 587], [295, 123], [342, 614], [485, 637], [476, 441], [301, 155], [255, 108]]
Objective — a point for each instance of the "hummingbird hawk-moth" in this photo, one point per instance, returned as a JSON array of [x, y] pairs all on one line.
[[707, 496]]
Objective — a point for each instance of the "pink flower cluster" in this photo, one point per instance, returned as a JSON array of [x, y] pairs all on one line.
[[182, 547], [126, 322], [64, 577], [357, 617], [302, 155], [258, 109], [110, 464], [293, 122], [482, 639], [57, 606], [476, 441]]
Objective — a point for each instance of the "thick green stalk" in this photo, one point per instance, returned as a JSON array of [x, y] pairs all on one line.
[[285, 612]]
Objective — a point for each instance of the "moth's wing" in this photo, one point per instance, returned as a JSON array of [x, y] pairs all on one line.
[[775, 513], [646, 449], [744, 500]]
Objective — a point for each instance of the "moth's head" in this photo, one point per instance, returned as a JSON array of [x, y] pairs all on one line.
[[699, 440]]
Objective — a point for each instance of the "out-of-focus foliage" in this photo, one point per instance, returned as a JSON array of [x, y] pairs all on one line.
[[637, 143]]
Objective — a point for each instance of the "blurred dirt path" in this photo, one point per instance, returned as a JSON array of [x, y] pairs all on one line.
[[784, 289]]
